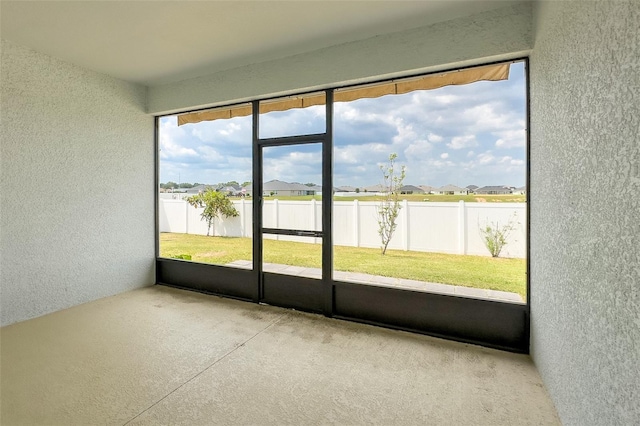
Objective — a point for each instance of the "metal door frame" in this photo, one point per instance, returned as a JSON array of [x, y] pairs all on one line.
[[314, 298]]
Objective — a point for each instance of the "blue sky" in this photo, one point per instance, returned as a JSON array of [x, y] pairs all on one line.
[[472, 134]]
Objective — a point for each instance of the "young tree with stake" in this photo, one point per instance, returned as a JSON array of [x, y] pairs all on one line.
[[215, 204], [389, 207]]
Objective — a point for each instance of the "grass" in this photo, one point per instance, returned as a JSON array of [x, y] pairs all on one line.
[[508, 198], [468, 271]]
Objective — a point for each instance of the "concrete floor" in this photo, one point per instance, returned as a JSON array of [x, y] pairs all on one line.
[[165, 356]]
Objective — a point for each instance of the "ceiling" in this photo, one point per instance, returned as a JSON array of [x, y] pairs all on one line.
[[157, 42]]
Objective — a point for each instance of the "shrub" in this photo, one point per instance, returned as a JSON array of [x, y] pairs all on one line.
[[495, 236], [182, 256]]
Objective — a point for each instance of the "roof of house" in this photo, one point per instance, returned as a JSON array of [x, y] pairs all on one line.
[[413, 188], [472, 187], [278, 185], [229, 188], [199, 188], [451, 187], [427, 188], [494, 188], [375, 188]]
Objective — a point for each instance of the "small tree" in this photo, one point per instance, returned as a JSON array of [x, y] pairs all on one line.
[[495, 236], [389, 206], [215, 204]]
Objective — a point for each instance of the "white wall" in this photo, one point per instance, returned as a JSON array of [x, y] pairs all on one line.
[[502, 33], [74, 145], [429, 227], [585, 242]]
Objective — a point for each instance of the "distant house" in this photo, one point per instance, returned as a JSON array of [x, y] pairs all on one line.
[[173, 190], [346, 189], [232, 190], [278, 187], [494, 190], [246, 191], [520, 191], [472, 188], [410, 189], [452, 190], [198, 189], [428, 189], [317, 189], [375, 188]]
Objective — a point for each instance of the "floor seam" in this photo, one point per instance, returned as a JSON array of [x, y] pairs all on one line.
[[206, 368]]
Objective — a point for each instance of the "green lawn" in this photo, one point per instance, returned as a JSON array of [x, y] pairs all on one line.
[[469, 271]]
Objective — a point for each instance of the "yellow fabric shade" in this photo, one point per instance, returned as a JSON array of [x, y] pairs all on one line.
[[246, 109], [456, 78], [214, 114], [396, 87]]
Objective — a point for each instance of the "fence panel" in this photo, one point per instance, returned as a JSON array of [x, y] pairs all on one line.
[[481, 214], [432, 227], [345, 223], [173, 216]]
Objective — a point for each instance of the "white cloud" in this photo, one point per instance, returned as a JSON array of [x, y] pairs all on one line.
[[417, 149], [169, 148], [446, 99], [485, 118], [486, 158], [510, 138], [508, 160], [432, 137], [405, 135], [231, 128], [356, 154], [460, 142], [444, 156], [470, 154], [351, 113], [209, 154], [295, 166], [439, 164], [305, 157]]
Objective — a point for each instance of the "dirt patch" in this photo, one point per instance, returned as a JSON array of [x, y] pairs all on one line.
[[480, 200]]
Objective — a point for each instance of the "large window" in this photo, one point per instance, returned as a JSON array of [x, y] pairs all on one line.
[[399, 202], [205, 192], [454, 218]]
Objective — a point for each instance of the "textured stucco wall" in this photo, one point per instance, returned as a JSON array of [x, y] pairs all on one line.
[[585, 209], [502, 33], [76, 155]]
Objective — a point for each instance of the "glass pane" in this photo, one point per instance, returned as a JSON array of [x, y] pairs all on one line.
[[205, 191], [290, 255], [463, 152], [292, 179], [297, 116]]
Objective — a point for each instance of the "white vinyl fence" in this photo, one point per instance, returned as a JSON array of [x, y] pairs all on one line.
[[430, 227]]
